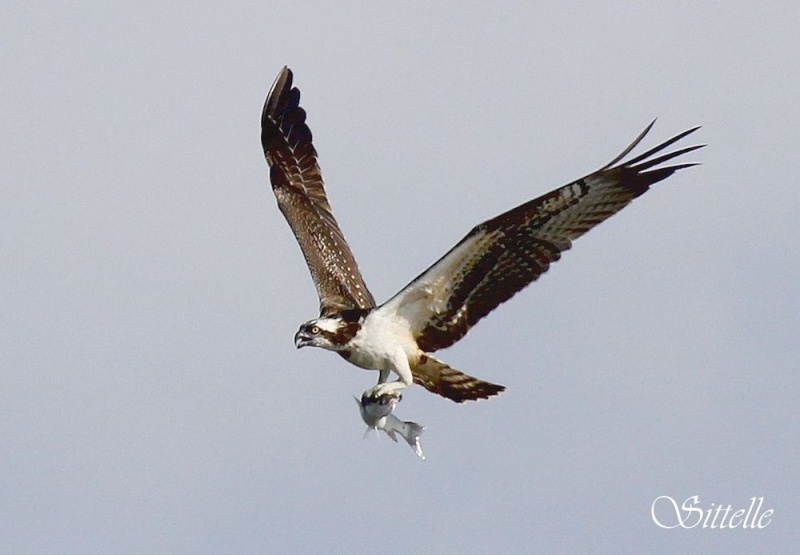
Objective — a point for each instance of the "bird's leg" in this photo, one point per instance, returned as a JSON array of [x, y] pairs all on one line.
[[404, 377], [376, 406], [389, 388]]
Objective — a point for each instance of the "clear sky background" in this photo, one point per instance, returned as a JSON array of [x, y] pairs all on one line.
[[152, 400]]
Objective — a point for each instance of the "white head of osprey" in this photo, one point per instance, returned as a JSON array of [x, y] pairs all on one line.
[[692, 513]]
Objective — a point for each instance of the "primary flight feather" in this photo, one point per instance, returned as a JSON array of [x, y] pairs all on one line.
[[493, 262]]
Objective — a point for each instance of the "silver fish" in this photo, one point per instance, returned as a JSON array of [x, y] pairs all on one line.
[[376, 412]]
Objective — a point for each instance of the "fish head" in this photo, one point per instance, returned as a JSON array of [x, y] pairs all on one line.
[[375, 408]]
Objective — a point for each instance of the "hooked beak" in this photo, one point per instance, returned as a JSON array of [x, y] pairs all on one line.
[[301, 339]]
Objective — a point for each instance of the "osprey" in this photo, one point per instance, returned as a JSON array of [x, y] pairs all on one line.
[[494, 261]]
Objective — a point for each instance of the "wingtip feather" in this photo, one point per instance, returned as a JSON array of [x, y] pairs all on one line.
[[278, 90], [631, 146]]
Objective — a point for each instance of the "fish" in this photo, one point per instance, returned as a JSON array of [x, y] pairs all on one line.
[[376, 412]]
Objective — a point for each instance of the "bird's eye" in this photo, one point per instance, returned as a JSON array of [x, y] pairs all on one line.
[[315, 330]]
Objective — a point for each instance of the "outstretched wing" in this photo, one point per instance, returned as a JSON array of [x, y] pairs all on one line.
[[298, 186], [502, 255]]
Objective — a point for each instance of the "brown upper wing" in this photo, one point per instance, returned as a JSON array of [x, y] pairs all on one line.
[[298, 186], [502, 255]]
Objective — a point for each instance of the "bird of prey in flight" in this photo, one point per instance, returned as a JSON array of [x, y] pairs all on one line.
[[494, 261]]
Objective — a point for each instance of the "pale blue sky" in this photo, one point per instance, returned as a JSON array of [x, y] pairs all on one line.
[[152, 400]]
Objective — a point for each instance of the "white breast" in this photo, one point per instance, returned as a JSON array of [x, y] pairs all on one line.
[[376, 343]]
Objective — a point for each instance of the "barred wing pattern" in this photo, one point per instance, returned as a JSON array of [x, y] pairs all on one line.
[[298, 186], [501, 256]]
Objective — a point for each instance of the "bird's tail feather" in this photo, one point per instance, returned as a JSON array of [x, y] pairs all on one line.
[[437, 377]]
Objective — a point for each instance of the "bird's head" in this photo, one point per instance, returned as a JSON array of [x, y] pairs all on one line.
[[324, 332]]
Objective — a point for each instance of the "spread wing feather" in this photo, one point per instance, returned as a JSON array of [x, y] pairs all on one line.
[[502, 255], [298, 186]]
